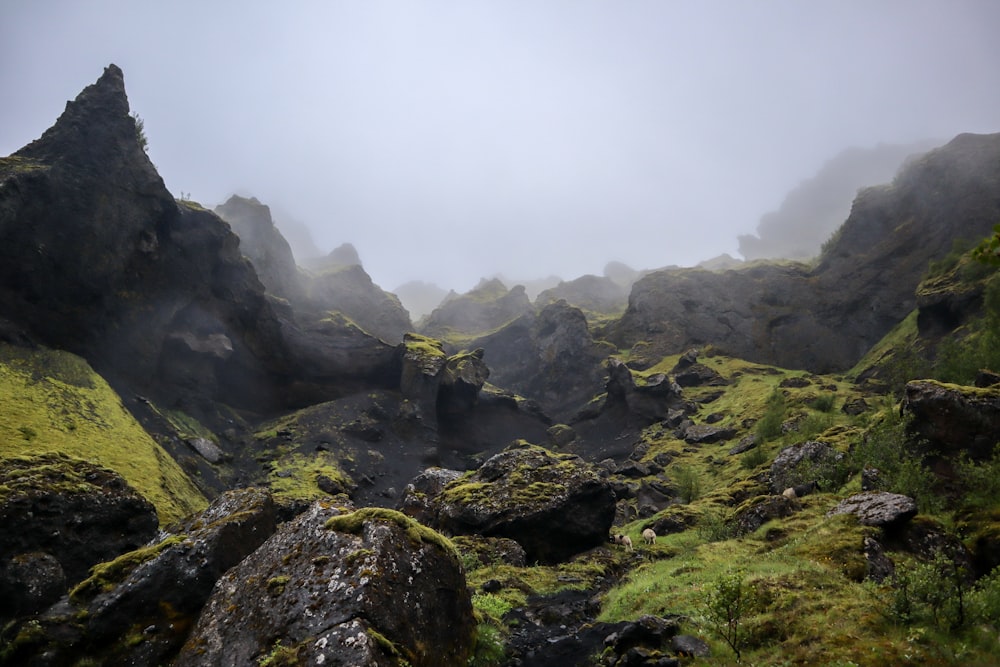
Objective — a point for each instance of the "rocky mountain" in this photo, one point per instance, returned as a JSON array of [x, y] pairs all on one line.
[[487, 307], [814, 210], [824, 317], [202, 465]]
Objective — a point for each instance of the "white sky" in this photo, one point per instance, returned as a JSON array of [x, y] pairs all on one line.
[[453, 140]]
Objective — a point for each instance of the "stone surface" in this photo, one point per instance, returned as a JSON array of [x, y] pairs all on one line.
[[802, 463], [365, 588], [953, 418], [77, 512], [878, 508], [554, 505]]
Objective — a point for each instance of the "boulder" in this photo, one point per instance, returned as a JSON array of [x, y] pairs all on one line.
[[803, 463], [364, 588], [699, 375], [878, 508], [79, 513], [160, 589], [554, 505], [953, 418], [756, 512], [29, 583], [698, 434], [421, 491], [650, 399]]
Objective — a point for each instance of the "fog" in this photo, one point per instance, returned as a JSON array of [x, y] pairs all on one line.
[[453, 140]]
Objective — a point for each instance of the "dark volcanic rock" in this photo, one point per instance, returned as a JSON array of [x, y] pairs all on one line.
[[953, 418], [77, 512], [824, 318], [264, 246], [878, 508], [161, 588], [802, 463], [365, 588], [551, 358], [651, 400], [591, 293], [554, 505], [755, 513], [29, 582], [97, 257], [351, 291], [487, 307], [697, 434]]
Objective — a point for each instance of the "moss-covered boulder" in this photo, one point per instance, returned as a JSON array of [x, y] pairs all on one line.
[[954, 418], [137, 609], [554, 505], [77, 512], [364, 588]]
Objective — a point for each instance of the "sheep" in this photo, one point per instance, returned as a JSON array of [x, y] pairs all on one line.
[[649, 536], [624, 540], [800, 490]]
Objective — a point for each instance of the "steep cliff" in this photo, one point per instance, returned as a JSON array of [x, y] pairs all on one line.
[[824, 317]]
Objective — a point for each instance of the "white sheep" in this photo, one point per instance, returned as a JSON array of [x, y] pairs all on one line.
[[789, 493], [623, 540], [649, 536]]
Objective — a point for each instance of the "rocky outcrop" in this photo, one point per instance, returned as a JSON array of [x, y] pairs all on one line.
[[97, 257], [264, 246], [803, 463], [651, 399], [824, 318], [551, 358], [815, 209], [591, 294], [348, 289], [70, 510], [878, 508], [953, 418], [157, 591], [364, 588], [756, 512], [487, 307], [554, 505]]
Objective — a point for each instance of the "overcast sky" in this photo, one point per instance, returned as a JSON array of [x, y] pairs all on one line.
[[453, 140]]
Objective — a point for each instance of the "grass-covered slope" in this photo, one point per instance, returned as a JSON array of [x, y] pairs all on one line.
[[54, 402]]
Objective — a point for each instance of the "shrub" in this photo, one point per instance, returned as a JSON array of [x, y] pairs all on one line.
[[981, 481], [727, 602], [753, 458], [688, 483], [899, 460], [768, 427], [823, 403]]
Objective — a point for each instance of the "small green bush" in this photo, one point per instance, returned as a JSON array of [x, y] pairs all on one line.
[[768, 427], [753, 458], [823, 403], [727, 603], [688, 483]]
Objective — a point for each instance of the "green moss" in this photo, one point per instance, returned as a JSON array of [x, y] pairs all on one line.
[[68, 408], [105, 576], [13, 165], [354, 522], [276, 586], [293, 477]]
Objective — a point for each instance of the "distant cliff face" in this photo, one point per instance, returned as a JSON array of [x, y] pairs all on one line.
[[824, 318], [263, 245], [487, 307], [96, 257], [816, 208]]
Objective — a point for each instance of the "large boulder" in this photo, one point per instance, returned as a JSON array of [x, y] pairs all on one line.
[[554, 505], [78, 513], [365, 588], [550, 357], [953, 418], [878, 508], [803, 463]]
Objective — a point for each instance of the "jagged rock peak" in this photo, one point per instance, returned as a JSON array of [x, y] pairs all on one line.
[[100, 111]]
